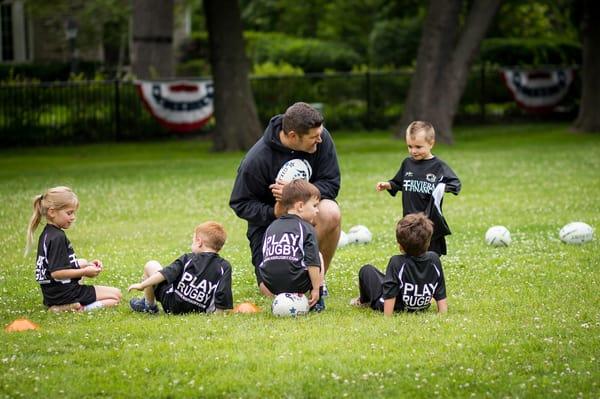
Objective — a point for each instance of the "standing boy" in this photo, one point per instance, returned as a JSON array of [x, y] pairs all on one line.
[[291, 259], [199, 281], [423, 179], [412, 279]]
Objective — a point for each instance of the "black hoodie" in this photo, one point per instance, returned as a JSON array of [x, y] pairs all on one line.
[[251, 198]]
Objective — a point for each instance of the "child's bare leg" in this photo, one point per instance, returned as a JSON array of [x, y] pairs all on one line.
[[108, 296], [265, 291], [150, 268]]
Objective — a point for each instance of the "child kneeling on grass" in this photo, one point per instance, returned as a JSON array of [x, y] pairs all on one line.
[[412, 279], [199, 281]]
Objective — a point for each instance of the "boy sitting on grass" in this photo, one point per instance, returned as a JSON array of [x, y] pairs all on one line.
[[291, 258], [199, 281], [412, 279]]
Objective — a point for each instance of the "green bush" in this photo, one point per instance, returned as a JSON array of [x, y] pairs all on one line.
[[270, 68], [531, 52], [312, 55], [395, 42], [47, 72]]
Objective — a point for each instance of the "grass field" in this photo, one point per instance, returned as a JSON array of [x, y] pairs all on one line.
[[524, 321]]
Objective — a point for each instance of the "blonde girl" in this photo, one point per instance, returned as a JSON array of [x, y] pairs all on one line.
[[58, 271]]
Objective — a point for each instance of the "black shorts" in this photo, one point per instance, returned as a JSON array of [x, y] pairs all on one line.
[[438, 245], [84, 294], [165, 295]]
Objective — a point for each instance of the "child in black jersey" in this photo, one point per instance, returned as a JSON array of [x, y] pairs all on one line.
[[423, 179], [291, 260], [199, 281], [411, 280], [58, 271]]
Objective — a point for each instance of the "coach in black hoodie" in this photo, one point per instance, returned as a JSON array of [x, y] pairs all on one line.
[[297, 134]]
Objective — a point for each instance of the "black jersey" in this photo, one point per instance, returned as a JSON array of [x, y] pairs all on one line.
[[289, 248], [55, 252], [200, 282], [417, 180], [414, 280]]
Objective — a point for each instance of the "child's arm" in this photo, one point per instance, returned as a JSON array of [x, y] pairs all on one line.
[[64, 274], [442, 305], [388, 306], [383, 185], [155, 279], [96, 262], [314, 272]]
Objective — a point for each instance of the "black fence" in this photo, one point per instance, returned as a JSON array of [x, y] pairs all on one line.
[[75, 112]]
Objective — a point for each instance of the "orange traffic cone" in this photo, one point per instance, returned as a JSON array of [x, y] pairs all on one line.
[[21, 325]]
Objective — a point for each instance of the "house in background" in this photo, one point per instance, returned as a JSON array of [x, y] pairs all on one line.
[[58, 37], [15, 43]]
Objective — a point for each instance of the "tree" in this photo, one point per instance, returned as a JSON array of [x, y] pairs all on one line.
[[152, 51], [588, 119], [443, 62], [237, 126]]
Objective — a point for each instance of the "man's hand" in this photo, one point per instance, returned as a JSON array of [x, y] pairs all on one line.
[[276, 189]]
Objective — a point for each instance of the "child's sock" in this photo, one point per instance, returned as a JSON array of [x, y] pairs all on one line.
[[93, 306]]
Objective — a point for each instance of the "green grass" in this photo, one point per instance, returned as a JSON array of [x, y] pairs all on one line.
[[523, 320]]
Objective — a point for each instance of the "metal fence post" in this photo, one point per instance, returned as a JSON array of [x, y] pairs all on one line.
[[117, 113], [368, 93], [482, 92]]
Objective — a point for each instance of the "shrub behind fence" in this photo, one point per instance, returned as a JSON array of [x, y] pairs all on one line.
[[76, 112]]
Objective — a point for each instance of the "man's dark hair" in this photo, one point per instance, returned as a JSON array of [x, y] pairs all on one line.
[[300, 118]]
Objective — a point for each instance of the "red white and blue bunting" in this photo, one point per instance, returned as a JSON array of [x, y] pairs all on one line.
[[181, 106], [540, 90]]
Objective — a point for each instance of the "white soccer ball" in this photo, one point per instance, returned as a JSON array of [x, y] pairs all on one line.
[[498, 236], [343, 241], [294, 169], [359, 234], [289, 305], [576, 233]]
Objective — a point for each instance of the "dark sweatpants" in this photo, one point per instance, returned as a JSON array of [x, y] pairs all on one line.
[[370, 283]]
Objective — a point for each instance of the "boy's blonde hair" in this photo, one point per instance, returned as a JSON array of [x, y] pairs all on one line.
[[212, 233], [298, 190], [417, 126], [413, 233], [54, 198]]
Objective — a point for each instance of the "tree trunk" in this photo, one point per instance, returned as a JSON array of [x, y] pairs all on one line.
[[152, 46], [588, 119], [237, 124], [443, 63]]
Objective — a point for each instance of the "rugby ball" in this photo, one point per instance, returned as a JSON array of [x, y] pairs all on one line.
[[343, 241], [359, 234], [294, 169], [289, 304], [576, 233], [498, 236]]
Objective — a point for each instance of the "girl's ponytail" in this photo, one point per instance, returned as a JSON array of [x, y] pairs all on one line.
[[36, 216], [54, 198]]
